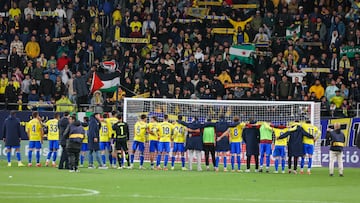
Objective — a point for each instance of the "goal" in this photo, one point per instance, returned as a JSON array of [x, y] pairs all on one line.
[[277, 112]]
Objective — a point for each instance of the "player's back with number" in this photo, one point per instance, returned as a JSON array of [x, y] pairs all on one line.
[[312, 130], [53, 129], [179, 133], [34, 130], [165, 132], [140, 131], [236, 133], [104, 132]]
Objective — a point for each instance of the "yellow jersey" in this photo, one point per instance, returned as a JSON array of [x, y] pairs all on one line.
[[140, 131], [53, 129], [179, 133], [34, 130], [85, 140], [312, 130], [104, 132], [278, 132], [154, 128], [236, 133], [109, 123], [165, 132]]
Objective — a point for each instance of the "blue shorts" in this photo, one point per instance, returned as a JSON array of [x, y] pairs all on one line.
[[308, 149], [265, 148], [84, 147], [279, 151], [12, 147], [179, 147], [138, 145], [104, 146], [164, 147], [235, 148], [34, 144], [53, 144], [153, 146]]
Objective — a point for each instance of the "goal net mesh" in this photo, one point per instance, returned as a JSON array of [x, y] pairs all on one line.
[[276, 112]]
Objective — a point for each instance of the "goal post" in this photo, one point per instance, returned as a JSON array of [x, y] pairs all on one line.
[[277, 112]]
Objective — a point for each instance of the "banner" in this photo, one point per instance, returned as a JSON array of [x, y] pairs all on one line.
[[224, 31], [183, 21], [134, 40], [350, 51], [210, 17], [231, 85], [197, 12], [318, 70], [46, 13], [350, 157]]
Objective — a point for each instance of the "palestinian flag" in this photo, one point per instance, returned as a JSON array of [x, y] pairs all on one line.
[[105, 82], [242, 53], [291, 30], [111, 66]]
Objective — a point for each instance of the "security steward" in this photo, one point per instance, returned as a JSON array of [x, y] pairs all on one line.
[[75, 133], [121, 136]]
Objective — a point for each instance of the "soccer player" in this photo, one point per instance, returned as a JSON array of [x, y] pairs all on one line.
[[308, 145], [265, 145], [139, 140], [153, 132], [209, 139], [165, 133], [53, 137], [295, 144], [194, 142], [222, 143], [12, 137], [110, 122], [104, 140], [235, 134], [251, 137], [84, 145], [279, 149], [35, 132], [121, 135], [179, 137]]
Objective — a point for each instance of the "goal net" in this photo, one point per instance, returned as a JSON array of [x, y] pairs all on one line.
[[277, 112]]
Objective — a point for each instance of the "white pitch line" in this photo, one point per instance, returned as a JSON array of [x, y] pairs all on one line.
[[87, 192], [139, 196]]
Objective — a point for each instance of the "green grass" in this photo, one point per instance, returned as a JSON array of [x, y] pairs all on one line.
[[52, 185]]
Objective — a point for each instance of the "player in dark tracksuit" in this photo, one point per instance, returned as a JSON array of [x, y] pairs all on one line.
[[194, 143], [121, 137], [295, 145], [251, 137], [222, 144]]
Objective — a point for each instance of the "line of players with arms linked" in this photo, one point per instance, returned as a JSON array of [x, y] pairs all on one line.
[[110, 133]]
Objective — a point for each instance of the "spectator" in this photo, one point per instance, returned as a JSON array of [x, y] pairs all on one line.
[[80, 89], [283, 89], [337, 99], [331, 90], [46, 88], [32, 48], [318, 89]]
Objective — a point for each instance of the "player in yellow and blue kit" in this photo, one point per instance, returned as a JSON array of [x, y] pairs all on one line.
[[235, 134], [165, 133], [179, 137], [279, 149], [84, 145], [104, 143], [35, 132], [139, 140], [153, 133], [109, 123], [308, 145], [53, 137]]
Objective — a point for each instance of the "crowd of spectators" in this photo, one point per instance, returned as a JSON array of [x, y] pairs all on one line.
[[50, 58]]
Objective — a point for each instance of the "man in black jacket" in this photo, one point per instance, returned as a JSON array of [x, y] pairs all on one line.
[[74, 135], [63, 124], [337, 143]]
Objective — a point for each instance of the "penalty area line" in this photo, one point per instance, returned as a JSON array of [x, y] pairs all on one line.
[[232, 199], [85, 192]]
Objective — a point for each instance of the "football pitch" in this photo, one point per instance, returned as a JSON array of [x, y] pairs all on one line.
[[112, 185]]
